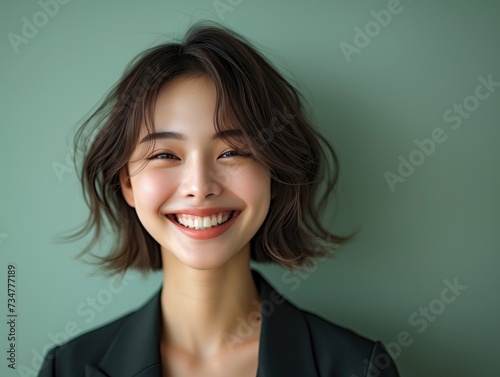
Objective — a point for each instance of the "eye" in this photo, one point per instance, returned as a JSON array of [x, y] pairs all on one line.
[[233, 153], [162, 156]]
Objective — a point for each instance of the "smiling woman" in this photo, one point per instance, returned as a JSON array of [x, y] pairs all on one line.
[[178, 165]]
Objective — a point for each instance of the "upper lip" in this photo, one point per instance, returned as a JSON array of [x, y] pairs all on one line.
[[203, 211]]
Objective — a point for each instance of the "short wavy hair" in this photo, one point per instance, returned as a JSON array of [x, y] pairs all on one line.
[[252, 96]]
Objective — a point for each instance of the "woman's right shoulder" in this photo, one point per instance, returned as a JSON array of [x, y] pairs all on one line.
[[107, 345], [85, 348]]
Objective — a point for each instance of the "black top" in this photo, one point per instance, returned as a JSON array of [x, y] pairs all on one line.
[[293, 343]]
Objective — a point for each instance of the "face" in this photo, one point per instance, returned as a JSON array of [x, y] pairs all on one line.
[[219, 194]]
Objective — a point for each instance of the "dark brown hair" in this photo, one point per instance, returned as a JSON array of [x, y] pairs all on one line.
[[252, 96]]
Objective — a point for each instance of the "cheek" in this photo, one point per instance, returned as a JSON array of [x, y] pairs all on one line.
[[254, 185], [151, 190]]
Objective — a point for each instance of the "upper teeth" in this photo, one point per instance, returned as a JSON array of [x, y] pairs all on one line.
[[204, 222]]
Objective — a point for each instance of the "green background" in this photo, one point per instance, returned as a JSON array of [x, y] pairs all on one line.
[[441, 223]]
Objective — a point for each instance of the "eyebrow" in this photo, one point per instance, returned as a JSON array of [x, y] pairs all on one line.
[[178, 136]]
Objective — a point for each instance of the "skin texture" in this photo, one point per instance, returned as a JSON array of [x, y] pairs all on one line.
[[208, 290]]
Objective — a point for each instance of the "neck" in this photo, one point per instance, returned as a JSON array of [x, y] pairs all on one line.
[[209, 312]]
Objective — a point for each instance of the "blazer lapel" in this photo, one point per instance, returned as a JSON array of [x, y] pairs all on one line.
[[135, 349], [285, 345], [284, 349], [91, 371]]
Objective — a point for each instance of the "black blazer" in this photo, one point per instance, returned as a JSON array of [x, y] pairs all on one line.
[[293, 343]]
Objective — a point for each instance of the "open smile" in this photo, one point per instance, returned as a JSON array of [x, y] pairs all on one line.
[[204, 222], [204, 227]]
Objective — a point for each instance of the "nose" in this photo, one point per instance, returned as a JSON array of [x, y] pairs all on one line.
[[201, 180]]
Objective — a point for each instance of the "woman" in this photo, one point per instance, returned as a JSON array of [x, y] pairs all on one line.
[[201, 159]]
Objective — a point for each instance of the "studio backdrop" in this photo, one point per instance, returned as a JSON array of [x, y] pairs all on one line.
[[408, 93]]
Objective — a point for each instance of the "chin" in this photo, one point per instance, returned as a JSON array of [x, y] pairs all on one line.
[[202, 258]]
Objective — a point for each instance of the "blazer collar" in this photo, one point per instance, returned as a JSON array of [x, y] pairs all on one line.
[[284, 349]]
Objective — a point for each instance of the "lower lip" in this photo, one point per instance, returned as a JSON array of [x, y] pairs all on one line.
[[204, 234]]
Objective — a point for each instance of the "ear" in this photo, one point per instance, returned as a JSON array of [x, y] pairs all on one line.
[[126, 186]]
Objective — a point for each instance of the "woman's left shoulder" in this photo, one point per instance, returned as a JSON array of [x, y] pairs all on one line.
[[336, 345]]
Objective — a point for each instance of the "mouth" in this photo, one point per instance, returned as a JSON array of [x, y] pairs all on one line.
[[203, 222]]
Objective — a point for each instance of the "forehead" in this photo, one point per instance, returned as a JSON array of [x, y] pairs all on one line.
[[182, 102], [184, 109], [186, 96]]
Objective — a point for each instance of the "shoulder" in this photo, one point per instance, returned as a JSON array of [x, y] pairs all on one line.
[[304, 343], [113, 346], [88, 347], [337, 347]]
